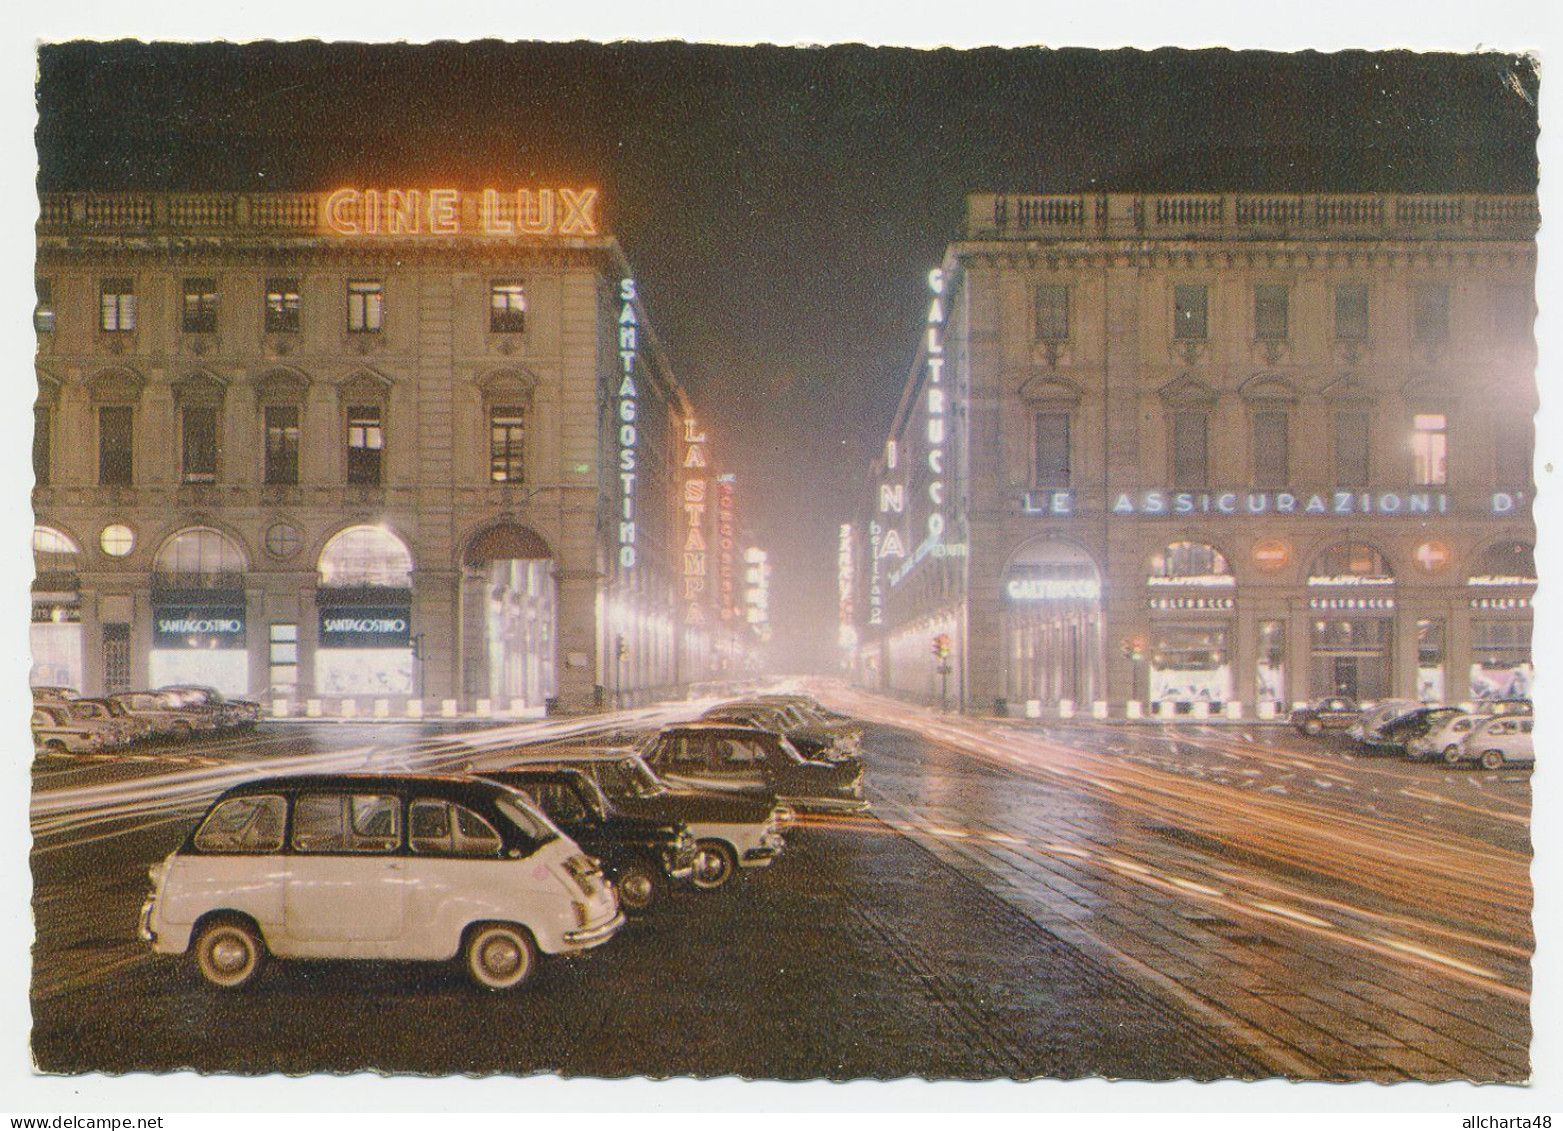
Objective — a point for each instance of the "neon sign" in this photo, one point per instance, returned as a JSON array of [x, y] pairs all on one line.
[[936, 405], [876, 592], [628, 399], [1054, 589], [695, 563], [446, 212], [725, 527], [846, 566]]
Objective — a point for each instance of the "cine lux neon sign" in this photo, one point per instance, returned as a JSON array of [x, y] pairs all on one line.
[[628, 400], [439, 212]]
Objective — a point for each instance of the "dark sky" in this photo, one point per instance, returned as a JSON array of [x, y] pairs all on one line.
[[781, 206]]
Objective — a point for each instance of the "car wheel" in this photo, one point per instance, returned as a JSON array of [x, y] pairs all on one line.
[[1492, 759], [639, 886], [229, 953], [1313, 728], [1452, 754], [717, 866], [499, 956]]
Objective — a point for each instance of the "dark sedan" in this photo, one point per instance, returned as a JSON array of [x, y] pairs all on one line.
[[816, 741], [1334, 712], [713, 755], [1397, 734]]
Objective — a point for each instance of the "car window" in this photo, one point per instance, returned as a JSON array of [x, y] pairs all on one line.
[[558, 800], [244, 825], [335, 822], [740, 751], [442, 828], [686, 751]]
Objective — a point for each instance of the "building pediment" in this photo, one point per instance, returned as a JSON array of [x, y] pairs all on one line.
[[1268, 388], [1187, 391], [1347, 390], [1050, 391], [509, 384], [117, 384]]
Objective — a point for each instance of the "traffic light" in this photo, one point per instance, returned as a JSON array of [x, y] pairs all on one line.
[[941, 645], [1133, 648]]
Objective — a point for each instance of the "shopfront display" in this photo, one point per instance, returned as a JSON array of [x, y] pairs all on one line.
[[365, 641], [1502, 584], [198, 613], [55, 635], [1351, 596], [1053, 594]]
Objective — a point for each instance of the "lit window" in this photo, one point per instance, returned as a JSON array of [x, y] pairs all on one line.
[[1351, 312], [1052, 313], [282, 306], [1429, 449], [1270, 303], [199, 436], [365, 444], [507, 308], [1190, 312], [117, 540], [200, 306], [1430, 322], [118, 311], [43, 313], [365, 307], [506, 444]]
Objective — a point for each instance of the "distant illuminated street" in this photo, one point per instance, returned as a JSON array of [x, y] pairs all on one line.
[[1024, 900]]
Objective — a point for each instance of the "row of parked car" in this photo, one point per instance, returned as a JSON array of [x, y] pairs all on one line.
[[1494, 735], [66, 723], [536, 851]]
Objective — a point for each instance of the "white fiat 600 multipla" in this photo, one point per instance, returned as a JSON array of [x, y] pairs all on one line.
[[377, 866]]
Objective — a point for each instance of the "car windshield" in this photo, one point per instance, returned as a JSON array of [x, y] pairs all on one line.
[[526, 818], [790, 750], [635, 777]]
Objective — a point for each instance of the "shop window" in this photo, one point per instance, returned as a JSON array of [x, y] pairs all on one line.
[[1508, 563], [1271, 675], [365, 445], [1052, 313], [1351, 312], [115, 445], [1349, 563], [199, 440], [200, 306], [1514, 441], [1352, 658], [506, 307], [365, 306], [1190, 312], [366, 556], [1191, 563], [1052, 449], [1430, 314], [1270, 310], [282, 306], [43, 311], [117, 311], [506, 443], [1351, 449], [1430, 661], [282, 445], [283, 656], [1190, 449], [43, 422], [116, 658], [1188, 664], [1500, 659], [1429, 449], [1271, 431]]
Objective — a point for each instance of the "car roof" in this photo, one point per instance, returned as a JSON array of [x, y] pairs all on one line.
[[441, 785], [716, 726], [535, 773]]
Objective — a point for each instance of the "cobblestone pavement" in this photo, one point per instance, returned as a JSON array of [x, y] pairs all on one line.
[[1342, 917]]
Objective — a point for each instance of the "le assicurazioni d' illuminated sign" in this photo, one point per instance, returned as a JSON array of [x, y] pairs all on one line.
[[626, 403], [450, 212], [1162, 503]]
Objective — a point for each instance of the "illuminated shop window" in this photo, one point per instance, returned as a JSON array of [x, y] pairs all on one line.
[[1270, 310], [1429, 449], [365, 306], [200, 306], [1052, 312], [199, 439], [506, 443], [1349, 563], [366, 556], [1190, 449], [1190, 312], [117, 313], [200, 558], [282, 445], [1189, 664], [1351, 312], [116, 445], [1430, 313], [1430, 660], [1270, 685], [365, 445], [1052, 449], [1351, 449], [1507, 563], [43, 312], [43, 456], [54, 552], [1500, 659], [283, 655], [1271, 432], [1191, 563], [507, 307], [117, 540], [282, 306]]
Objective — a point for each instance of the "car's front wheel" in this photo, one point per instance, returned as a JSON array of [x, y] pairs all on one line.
[[717, 866], [1452, 754], [1492, 759], [229, 953], [1313, 728], [499, 956], [639, 886]]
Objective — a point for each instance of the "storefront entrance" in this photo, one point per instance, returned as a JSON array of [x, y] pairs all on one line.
[[1351, 598], [1053, 624], [510, 618], [198, 616], [366, 629], [56, 634]]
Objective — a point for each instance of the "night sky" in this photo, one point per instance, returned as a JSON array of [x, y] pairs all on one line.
[[782, 206]]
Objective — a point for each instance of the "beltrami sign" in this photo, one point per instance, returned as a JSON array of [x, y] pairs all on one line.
[[450, 212]]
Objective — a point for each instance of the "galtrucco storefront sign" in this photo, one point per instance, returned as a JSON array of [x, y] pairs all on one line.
[[202, 627], [363, 627]]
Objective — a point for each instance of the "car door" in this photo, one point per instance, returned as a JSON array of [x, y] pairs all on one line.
[[738, 761], [684, 758], [457, 872], [345, 891]]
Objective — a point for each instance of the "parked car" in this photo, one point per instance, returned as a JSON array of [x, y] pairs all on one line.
[[1507, 707], [232, 714], [60, 719], [733, 830], [382, 866], [56, 732], [50, 694], [133, 730], [1399, 732], [1499, 741], [722, 756], [167, 713], [1380, 713], [1333, 712], [1445, 740], [643, 856], [815, 741]]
